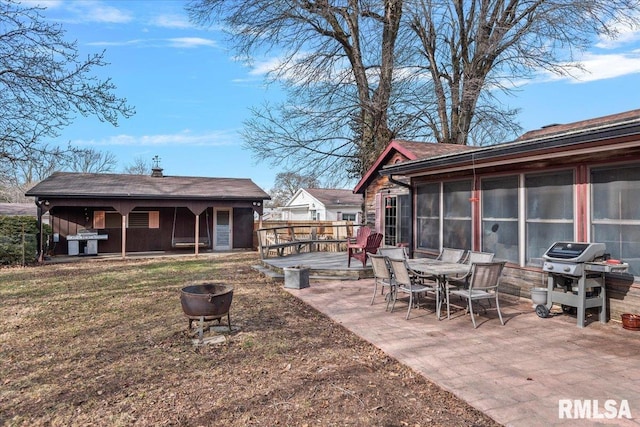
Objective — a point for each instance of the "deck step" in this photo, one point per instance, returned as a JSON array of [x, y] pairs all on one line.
[[276, 275], [268, 272]]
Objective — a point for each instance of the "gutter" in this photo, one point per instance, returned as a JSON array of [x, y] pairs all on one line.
[[518, 148]]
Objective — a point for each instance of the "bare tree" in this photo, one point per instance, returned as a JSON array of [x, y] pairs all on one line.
[[337, 58], [140, 166], [470, 49], [44, 83], [361, 72], [287, 183], [91, 161]]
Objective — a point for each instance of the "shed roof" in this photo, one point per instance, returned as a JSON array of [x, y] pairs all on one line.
[[335, 196], [127, 186]]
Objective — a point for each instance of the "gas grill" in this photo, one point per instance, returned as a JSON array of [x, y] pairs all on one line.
[[576, 278]]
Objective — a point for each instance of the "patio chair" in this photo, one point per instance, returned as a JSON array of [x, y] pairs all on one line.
[[394, 252], [451, 255], [362, 252], [381, 276], [407, 283], [462, 282], [483, 285], [360, 239]]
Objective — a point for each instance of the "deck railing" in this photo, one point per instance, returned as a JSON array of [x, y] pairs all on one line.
[[294, 237]]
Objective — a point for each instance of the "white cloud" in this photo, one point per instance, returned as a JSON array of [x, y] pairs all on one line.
[[82, 11], [171, 21], [190, 42], [601, 67], [178, 42], [184, 138], [627, 34]]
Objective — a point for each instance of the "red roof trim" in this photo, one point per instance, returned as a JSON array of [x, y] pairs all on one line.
[[393, 145]]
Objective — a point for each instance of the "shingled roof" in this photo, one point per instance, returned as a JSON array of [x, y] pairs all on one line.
[[589, 125], [412, 150], [334, 197], [127, 186]]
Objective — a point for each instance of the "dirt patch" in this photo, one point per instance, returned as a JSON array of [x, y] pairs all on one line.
[[106, 343]]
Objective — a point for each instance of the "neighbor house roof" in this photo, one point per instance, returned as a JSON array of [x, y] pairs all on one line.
[[334, 196], [19, 209], [127, 186], [412, 150]]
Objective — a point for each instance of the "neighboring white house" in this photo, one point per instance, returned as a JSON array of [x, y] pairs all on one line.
[[324, 204]]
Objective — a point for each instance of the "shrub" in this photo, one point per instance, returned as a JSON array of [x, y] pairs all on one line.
[[19, 239]]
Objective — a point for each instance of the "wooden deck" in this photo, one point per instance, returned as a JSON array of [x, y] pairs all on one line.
[[321, 265]]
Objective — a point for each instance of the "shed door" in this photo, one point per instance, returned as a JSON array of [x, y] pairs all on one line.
[[222, 227]]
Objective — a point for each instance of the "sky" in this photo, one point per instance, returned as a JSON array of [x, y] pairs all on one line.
[[191, 96]]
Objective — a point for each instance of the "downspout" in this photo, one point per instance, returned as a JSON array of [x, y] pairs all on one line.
[[410, 188]]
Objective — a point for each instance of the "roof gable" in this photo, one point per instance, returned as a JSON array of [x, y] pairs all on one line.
[[411, 150]]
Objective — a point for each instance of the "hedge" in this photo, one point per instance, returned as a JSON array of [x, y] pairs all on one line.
[[18, 239]]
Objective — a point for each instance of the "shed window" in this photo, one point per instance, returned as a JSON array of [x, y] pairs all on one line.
[[99, 220], [615, 216], [500, 217], [138, 220], [549, 211]]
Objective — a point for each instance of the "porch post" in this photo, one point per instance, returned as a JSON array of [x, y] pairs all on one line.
[[197, 240], [124, 236]]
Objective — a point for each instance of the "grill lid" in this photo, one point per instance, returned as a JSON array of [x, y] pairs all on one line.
[[574, 251]]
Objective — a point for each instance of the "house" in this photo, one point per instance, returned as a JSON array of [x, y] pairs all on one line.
[[137, 213], [323, 204], [387, 205], [571, 182]]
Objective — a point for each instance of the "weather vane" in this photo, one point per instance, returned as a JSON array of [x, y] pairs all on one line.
[[156, 161]]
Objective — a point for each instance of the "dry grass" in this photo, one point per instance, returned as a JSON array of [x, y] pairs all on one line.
[[106, 343]]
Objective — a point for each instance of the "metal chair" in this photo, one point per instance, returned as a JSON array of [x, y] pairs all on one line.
[[405, 282], [483, 285], [382, 276], [473, 257], [394, 252], [451, 255]]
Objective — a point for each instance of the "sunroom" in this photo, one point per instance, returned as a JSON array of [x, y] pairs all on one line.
[[578, 183]]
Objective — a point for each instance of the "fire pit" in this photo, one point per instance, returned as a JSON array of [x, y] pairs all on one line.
[[206, 302]]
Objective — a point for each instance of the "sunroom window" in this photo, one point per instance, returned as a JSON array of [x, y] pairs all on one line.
[[428, 216], [549, 210], [456, 225], [615, 216], [500, 217]]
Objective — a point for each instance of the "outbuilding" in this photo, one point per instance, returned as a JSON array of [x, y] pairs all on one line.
[[137, 213]]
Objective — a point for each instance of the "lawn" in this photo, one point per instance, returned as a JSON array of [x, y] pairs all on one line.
[[106, 343]]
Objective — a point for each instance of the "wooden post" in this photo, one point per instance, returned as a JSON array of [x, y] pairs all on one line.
[[197, 240], [124, 236]]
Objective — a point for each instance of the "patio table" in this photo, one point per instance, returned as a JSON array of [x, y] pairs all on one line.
[[440, 270]]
